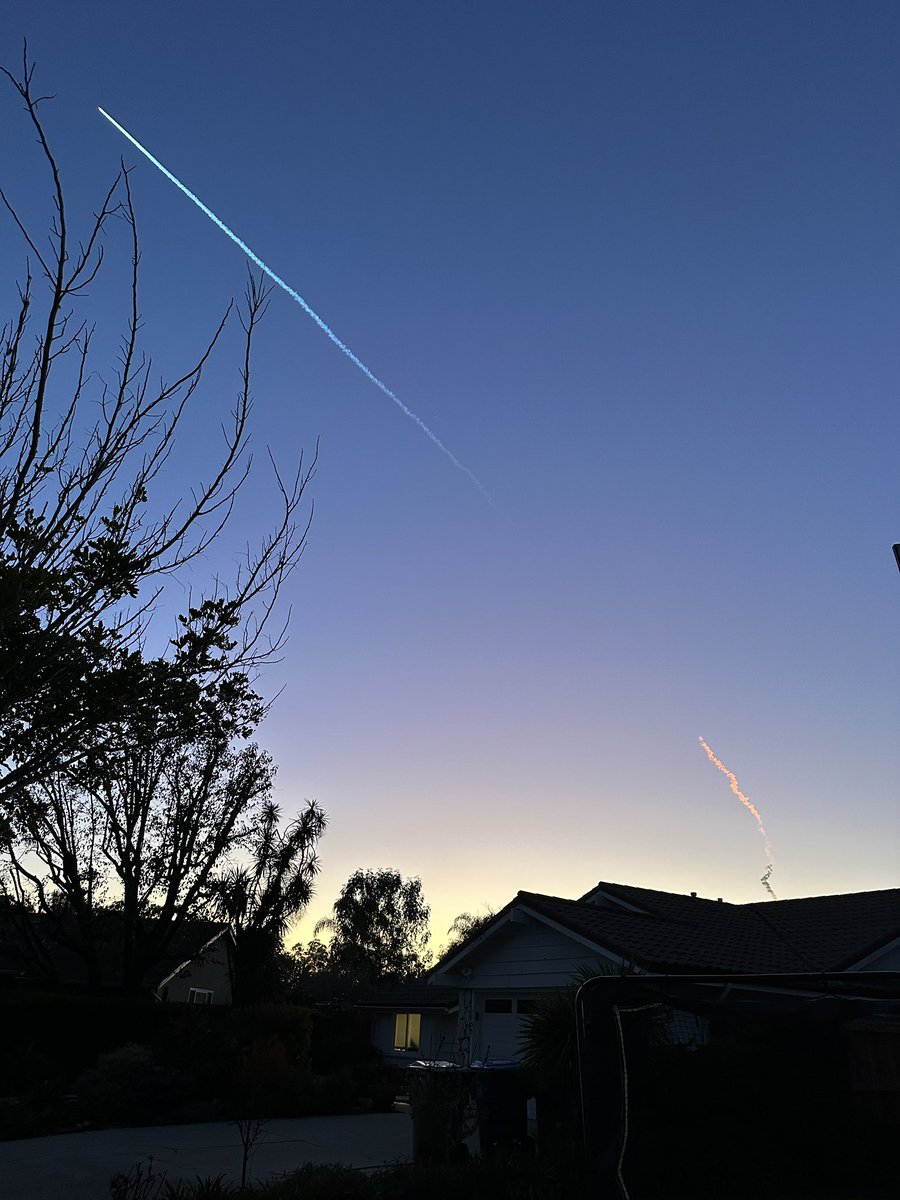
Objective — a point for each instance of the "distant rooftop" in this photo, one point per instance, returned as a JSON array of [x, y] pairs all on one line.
[[668, 932]]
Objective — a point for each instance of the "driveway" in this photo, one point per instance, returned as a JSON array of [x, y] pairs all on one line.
[[78, 1166]]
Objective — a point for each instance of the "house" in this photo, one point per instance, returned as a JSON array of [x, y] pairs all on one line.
[[196, 968], [413, 1021], [539, 942]]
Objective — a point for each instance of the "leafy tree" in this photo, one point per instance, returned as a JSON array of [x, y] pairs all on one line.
[[260, 899], [84, 555], [379, 928], [310, 974], [464, 926], [126, 779], [118, 858], [313, 958]]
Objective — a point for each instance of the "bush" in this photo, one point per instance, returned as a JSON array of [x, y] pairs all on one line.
[[69, 1032], [127, 1087], [265, 1083], [135, 1062], [209, 1188], [341, 1038], [291, 1025], [498, 1178], [43, 1108]]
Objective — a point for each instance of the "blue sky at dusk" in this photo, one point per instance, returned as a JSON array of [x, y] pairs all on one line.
[[636, 265]]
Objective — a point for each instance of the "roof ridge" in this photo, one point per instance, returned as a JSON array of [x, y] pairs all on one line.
[[826, 896], [587, 908]]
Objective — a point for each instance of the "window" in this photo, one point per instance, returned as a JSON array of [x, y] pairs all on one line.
[[498, 1005], [407, 1030], [199, 996]]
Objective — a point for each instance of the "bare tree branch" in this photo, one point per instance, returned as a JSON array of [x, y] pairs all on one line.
[[84, 556]]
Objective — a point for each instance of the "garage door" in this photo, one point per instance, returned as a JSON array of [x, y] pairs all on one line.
[[501, 1021]]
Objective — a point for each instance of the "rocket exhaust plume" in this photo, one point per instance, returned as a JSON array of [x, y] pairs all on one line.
[[754, 811], [310, 312]]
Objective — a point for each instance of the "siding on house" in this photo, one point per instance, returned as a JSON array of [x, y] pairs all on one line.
[[437, 1032], [211, 972], [524, 954], [886, 959], [501, 978]]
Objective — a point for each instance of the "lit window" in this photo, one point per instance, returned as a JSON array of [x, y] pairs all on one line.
[[199, 996], [407, 1029]]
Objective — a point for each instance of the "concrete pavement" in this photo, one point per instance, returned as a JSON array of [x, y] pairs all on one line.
[[79, 1166]]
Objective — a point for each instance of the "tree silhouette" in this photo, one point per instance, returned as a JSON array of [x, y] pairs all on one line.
[[125, 778], [260, 899], [118, 859], [379, 927], [466, 925], [85, 554]]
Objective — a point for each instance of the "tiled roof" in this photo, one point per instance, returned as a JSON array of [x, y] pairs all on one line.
[[674, 933], [838, 929]]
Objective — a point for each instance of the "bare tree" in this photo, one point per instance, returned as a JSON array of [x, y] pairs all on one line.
[[250, 1131], [84, 554]]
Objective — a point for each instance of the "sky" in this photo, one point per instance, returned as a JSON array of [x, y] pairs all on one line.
[[636, 265]]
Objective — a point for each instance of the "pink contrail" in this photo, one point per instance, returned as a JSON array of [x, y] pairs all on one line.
[[751, 807]]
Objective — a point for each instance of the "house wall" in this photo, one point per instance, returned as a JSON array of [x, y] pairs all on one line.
[[522, 960], [887, 960], [525, 954], [212, 973], [436, 1040]]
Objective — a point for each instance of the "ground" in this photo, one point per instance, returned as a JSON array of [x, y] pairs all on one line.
[[80, 1165]]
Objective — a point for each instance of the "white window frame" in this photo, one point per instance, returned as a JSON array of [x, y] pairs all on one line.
[[200, 996], [407, 1039]]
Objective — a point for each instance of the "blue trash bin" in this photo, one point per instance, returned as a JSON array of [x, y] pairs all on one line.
[[501, 1104]]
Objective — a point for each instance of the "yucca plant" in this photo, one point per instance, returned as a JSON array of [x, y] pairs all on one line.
[[549, 1046]]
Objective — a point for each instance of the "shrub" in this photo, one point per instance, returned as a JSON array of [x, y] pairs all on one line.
[[265, 1083], [291, 1025], [139, 1182], [69, 1031], [211, 1187], [127, 1087]]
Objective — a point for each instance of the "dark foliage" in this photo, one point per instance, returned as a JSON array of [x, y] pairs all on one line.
[[260, 899], [379, 928], [516, 1177], [124, 778], [464, 926]]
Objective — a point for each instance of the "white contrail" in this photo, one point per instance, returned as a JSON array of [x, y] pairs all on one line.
[[310, 312], [754, 812]]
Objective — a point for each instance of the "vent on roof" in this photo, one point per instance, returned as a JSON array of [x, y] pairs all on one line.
[[693, 895]]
